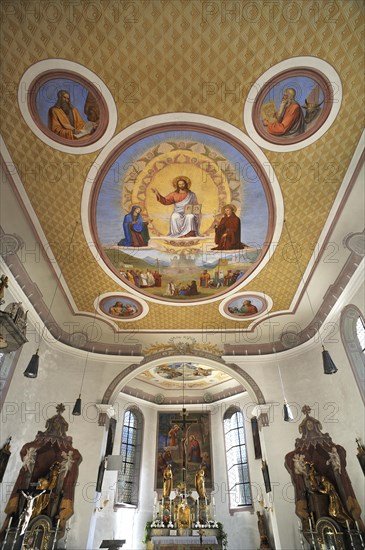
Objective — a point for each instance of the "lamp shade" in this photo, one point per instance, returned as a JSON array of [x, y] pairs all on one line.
[[328, 365], [288, 415], [32, 369], [76, 411]]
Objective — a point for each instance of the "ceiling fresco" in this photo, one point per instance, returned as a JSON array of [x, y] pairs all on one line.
[[173, 209], [211, 81], [175, 376]]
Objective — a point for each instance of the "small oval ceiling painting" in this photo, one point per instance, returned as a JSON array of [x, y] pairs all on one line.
[[245, 306], [182, 216], [292, 106], [68, 108], [120, 307]]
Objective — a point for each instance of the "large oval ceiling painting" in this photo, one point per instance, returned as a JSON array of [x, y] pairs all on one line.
[[182, 216]]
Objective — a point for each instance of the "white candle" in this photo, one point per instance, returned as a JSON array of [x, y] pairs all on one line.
[[11, 519]]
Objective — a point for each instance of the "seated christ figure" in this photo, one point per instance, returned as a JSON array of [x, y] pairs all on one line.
[[184, 222]]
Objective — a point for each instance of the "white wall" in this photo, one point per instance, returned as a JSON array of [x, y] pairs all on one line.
[[129, 523]]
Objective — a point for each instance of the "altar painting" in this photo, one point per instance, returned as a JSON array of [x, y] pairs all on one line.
[[182, 215], [170, 445]]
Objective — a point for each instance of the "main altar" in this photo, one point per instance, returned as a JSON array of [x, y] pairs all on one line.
[[184, 513], [184, 521], [184, 517]]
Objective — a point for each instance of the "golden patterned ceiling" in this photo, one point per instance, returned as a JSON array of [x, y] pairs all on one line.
[[182, 56]]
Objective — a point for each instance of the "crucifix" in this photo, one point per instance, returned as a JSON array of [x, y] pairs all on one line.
[[184, 424]]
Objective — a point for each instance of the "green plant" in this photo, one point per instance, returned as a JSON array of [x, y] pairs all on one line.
[[222, 536], [147, 532]]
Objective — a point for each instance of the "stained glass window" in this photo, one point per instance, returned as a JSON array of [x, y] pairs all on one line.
[[128, 476]]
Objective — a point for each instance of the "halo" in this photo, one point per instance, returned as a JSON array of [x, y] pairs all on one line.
[[231, 206], [184, 178]]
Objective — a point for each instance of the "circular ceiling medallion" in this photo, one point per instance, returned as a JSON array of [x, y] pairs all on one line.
[[182, 212], [121, 307], [67, 106], [293, 104], [246, 306]]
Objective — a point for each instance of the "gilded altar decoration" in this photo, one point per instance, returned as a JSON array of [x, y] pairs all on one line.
[[182, 215], [184, 516], [43, 493], [322, 486]]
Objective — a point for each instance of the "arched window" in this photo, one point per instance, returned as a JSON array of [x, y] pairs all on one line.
[[352, 329], [130, 451], [236, 455], [360, 331]]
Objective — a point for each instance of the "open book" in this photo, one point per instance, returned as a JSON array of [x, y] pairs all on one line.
[[268, 111], [193, 209], [85, 131]]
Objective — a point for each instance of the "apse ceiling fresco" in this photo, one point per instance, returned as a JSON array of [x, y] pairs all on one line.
[[172, 177], [176, 375]]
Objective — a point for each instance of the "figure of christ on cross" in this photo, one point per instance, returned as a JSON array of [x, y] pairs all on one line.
[[184, 424], [27, 513]]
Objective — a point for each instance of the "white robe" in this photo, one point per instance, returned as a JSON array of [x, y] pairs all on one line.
[[181, 223]]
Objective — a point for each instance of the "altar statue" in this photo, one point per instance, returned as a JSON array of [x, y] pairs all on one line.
[[200, 482], [335, 507], [167, 481], [184, 517]]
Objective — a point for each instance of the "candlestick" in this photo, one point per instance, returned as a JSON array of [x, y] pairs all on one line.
[[7, 532], [360, 535], [349, 530], [55, 535]]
